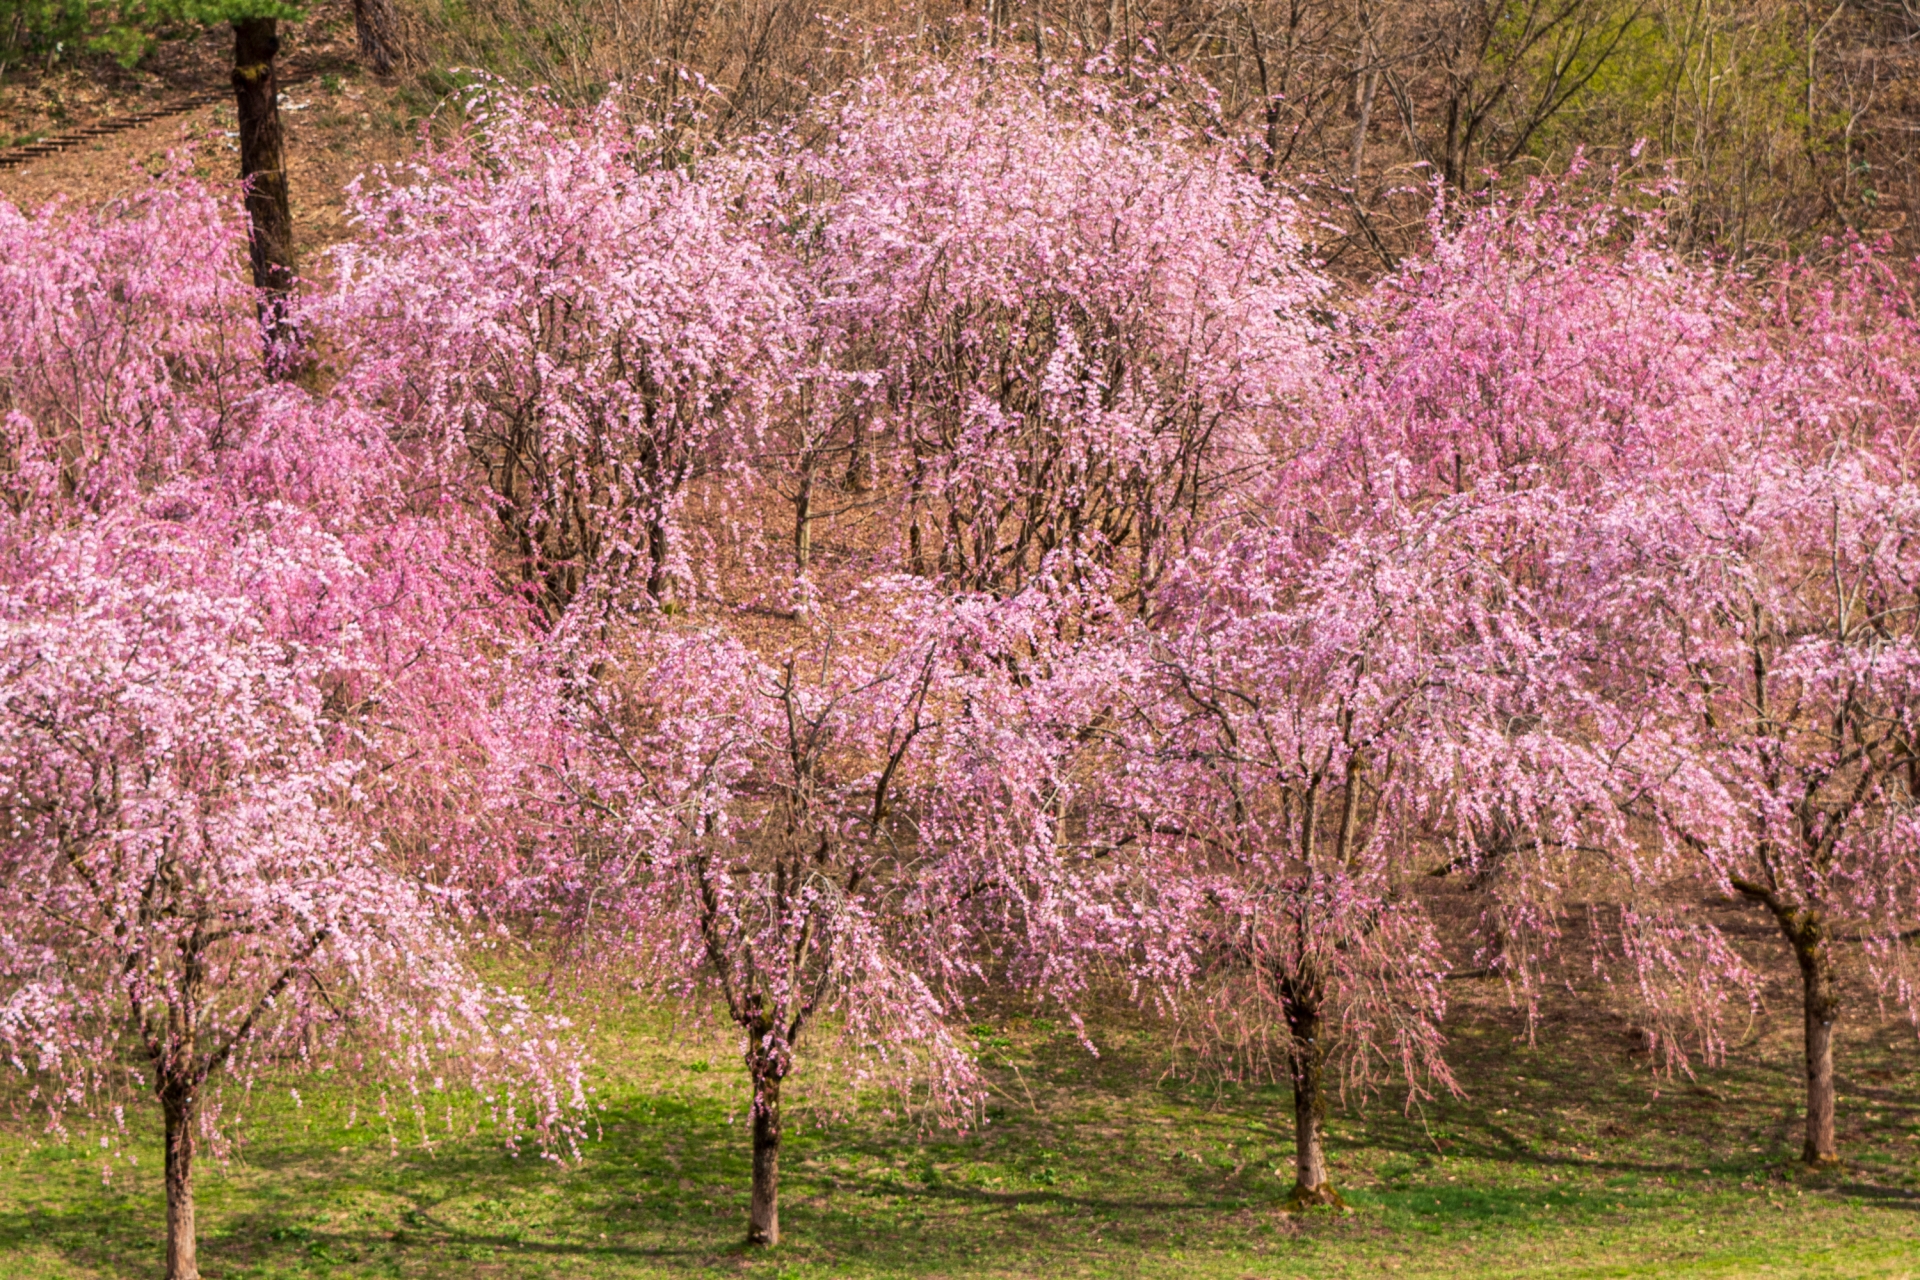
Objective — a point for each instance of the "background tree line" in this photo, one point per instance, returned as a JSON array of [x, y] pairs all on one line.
[[1786, 121]]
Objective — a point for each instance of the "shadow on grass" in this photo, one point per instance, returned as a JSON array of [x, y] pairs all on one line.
[[1105, 1165], [1883, 1196]]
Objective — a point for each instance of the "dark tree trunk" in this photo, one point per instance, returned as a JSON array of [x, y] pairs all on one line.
[[1822, 1009], [657, 582], [860, 456], [916, 542], [1806, 932], [378, 30], [263, 165], [1306, 1063], [763, 1213], [182, 1243], [803, 518]]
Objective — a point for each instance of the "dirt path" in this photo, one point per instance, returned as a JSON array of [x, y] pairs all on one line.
[[14, 157]]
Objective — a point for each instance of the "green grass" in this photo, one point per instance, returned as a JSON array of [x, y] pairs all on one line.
[[1564, 1161]]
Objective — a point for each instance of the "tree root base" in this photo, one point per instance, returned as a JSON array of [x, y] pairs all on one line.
[[1304, 1198]]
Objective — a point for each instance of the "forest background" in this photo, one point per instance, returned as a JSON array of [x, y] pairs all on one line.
[[1786, 122]]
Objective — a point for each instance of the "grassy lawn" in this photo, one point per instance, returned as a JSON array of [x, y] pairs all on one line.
[[1566, 1159]]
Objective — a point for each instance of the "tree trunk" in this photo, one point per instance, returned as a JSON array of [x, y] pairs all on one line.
[[1363, 116], [263, 165], [1306, 1063], [374, 23], [803, 518], [657, 583], [182, 1244], [860, 456], [763, 1212], [1822, 1008], [1806, 932], [916, 543]]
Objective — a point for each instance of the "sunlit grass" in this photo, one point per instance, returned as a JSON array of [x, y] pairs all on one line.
[[1566, 1159]]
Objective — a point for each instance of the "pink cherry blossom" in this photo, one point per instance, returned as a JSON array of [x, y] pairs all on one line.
[[192, 893]]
